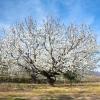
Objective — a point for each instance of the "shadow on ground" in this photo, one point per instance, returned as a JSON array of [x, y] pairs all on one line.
[[72, 97], [60, 97]]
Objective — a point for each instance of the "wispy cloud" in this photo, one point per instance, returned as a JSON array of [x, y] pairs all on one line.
[[77, 12], [69, 11]]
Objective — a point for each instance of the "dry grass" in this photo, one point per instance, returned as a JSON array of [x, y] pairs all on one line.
[[30, 90]]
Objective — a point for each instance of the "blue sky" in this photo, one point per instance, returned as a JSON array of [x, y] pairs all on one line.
[[69, 11]]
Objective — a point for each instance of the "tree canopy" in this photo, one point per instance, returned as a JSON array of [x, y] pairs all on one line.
[[50, 50]]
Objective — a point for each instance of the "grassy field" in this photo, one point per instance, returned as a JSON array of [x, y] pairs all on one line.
[[83, 91]]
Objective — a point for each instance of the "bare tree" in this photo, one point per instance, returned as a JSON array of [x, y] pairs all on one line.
[[50, 49], [52, 42], [22, 46], [79, 53]]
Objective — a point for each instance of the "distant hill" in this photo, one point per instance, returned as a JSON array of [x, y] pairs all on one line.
[[96, 73], [93, 76]]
